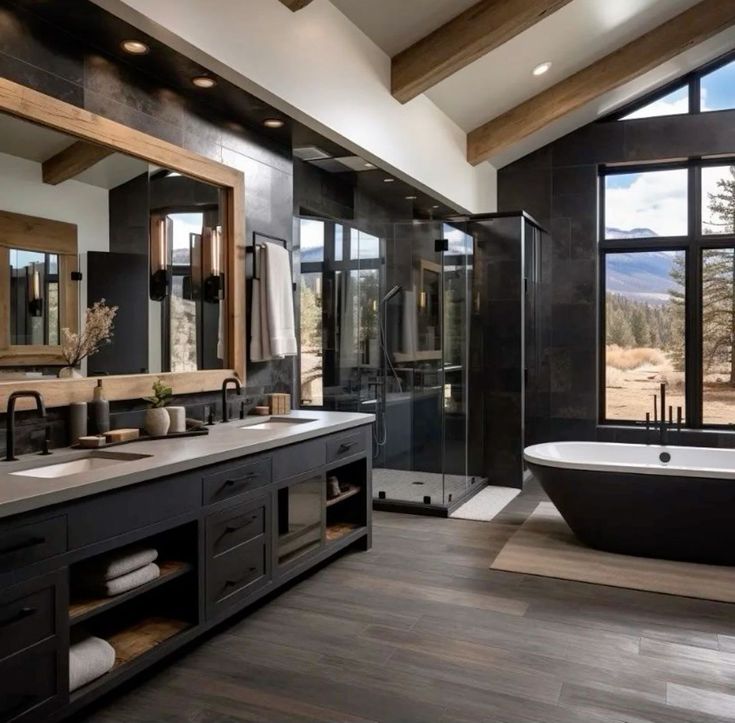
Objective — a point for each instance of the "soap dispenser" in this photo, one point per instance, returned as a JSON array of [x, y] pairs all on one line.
[[100, 409]]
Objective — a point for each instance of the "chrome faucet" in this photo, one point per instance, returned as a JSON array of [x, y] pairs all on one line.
[[10, 422], [225, 385]]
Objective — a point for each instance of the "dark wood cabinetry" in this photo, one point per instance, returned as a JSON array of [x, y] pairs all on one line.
[[227, 534]]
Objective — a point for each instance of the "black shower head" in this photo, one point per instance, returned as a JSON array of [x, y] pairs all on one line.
[[390, 294]]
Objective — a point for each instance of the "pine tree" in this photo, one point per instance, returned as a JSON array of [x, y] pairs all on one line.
[[718, 284]]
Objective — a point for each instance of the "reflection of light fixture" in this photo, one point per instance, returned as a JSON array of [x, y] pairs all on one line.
[[318, 288], [35, 300], [389, 180], [160, 280], [214, 278], [204, 81], [375, 305], [134, 47], [411, 198], [273, 123], [422, 301]]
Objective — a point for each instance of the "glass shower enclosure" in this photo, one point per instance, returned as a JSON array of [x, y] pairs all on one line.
[[394, 322]]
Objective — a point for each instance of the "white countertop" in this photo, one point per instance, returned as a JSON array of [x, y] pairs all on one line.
[[167, 456]]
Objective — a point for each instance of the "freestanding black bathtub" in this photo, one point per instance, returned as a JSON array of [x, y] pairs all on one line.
[[626, 498]]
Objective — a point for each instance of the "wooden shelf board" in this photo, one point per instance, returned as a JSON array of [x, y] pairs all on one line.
[[83, 609], [339, 530], [351, 492], [143, 636]]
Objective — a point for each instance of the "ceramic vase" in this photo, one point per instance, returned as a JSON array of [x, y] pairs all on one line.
[[157, 422]]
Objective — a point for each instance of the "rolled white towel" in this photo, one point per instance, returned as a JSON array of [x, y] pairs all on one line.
[[89, 659], [117, 563]]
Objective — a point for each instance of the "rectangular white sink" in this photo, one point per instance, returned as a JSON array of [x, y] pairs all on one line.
[[278, 423], [90, 461]]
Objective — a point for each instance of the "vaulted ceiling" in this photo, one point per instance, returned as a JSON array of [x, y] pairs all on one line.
[[486, 85]]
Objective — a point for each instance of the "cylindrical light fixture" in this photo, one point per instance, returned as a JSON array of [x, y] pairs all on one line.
[[35, 298], [213, 255], [160, 275]]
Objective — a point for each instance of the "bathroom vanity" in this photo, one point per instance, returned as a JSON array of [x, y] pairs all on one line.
[[234, 515]]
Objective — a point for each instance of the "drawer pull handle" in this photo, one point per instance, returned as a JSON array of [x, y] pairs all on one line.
[[244, 478], [244, 578], [20, 615], [33, 542], [240, 524], [345, 447]]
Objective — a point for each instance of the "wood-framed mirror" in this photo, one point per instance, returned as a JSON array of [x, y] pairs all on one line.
[[90, 210]]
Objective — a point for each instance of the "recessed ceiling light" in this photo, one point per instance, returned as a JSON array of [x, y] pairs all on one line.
[[436, 206], [542, 68], [274, 123], [411, 198], [389, 180], [204, 81], [369, 165], [134, 47]]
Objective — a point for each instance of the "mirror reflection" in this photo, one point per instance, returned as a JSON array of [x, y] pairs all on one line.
[[80, 223], [34, 297]]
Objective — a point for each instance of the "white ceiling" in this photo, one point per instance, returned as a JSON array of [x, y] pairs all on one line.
[[575, 36], [23, 139]]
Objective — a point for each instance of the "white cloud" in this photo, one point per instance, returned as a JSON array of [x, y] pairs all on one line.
[[656, 200], [663, 106]]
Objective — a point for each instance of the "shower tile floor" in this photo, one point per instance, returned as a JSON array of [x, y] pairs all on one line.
[[407, 486]]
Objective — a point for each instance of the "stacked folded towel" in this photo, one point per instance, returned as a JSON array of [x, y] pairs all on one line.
[[119, 571], [89, 659]]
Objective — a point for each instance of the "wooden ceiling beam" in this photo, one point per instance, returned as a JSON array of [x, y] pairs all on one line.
[[643, 54], [467, 37], [295, 5], [72, 161]]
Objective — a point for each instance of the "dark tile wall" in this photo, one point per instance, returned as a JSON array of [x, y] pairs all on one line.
[[558, 185], [42, 56]]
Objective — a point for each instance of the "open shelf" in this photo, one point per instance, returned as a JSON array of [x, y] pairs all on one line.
[[351, 492], [132, 642], [84, 608], [338, 530]]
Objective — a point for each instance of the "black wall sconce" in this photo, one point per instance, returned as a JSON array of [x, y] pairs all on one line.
[[35, 299], [213, 257], [160, 274]]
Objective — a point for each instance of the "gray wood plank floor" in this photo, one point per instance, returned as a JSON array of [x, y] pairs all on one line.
[[420, 629]]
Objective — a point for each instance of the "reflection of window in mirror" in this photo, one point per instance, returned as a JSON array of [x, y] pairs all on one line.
[[429, 306], [34, 298]]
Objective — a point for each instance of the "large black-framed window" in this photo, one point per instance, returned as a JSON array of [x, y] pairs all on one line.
[[708, 89], [667, 291], [341, 281]]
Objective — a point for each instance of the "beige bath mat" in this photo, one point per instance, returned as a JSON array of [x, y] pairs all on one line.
[[544, 545]]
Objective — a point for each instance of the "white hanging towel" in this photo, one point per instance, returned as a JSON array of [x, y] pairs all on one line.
[[273, 332]]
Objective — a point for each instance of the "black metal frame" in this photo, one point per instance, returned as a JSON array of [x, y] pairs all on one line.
[[692, 81], [693, 244]]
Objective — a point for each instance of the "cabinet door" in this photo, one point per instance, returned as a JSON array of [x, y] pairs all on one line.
[[300, 518]]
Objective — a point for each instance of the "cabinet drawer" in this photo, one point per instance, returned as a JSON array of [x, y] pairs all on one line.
[[237, 479], [237, 572], [29, 684], [28, 614], [32, 542], [115, 513], [345, 445], [235, 526], [299, 458]]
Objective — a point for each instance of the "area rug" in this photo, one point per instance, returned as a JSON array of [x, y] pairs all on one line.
[[544, 545], [486, 504]]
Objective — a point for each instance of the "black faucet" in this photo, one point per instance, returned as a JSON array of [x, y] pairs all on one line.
[[10, 420], [660, 421], [225, 385]]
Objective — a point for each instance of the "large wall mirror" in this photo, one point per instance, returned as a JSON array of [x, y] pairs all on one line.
[[82, 222]]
